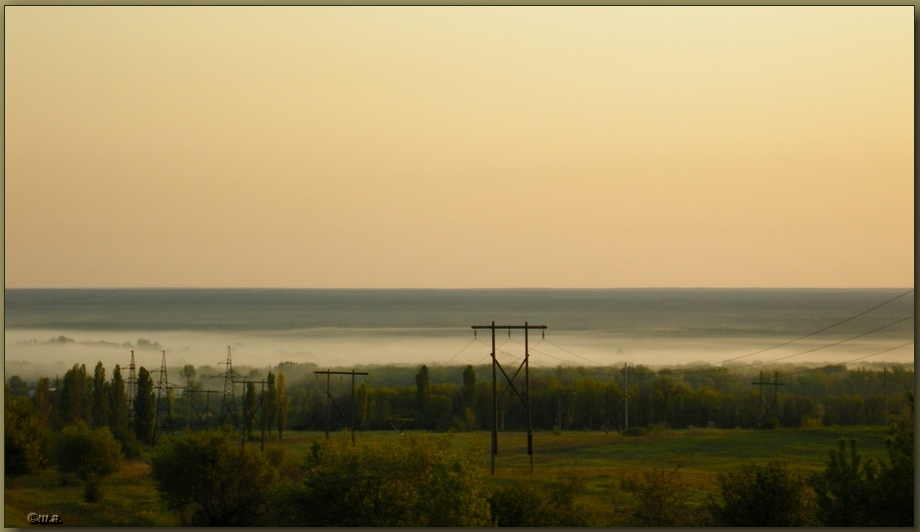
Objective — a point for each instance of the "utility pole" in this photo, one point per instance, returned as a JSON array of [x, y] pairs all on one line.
[[132, 387], [495, 397], [228, 405], [331, 402], [251, 414], [164, 408], [772, 410], [189, 394]]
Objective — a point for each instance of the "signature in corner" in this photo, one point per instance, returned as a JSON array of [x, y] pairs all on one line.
[[37, 519]]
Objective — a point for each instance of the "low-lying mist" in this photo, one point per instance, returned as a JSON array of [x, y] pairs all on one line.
[[34, 353]]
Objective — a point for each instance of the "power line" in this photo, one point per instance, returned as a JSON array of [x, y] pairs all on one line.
[[855, 359], [851, 318], [573, 354], [817, 348], [551, 356], [462, 350], [712, 367]]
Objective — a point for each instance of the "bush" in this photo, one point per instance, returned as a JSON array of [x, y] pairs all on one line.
[[661, 500], [529, 503], [768, 495], [130, 445], [207, 479], [90, 454], [416, 481]]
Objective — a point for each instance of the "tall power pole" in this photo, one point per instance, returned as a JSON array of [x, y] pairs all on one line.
[[525, 399], [771, 411], [132, 386], [164, 408], [330, 401], [228, 405]]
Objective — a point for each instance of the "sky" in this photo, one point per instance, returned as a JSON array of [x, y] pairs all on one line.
[[459, 147]]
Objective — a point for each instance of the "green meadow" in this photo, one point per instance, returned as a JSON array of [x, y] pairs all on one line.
[[604, 461]]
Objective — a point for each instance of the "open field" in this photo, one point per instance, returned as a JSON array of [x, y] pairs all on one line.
[[602, 460]]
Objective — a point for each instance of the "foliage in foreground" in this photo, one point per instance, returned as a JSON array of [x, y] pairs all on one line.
[[852, 493], [661, 500], [25, 440], [417, 481], [764, 495], [90, 454], [530, 503], [207, 479]]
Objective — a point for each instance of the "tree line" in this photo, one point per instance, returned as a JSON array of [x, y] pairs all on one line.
[[459, 398], [568, 398]]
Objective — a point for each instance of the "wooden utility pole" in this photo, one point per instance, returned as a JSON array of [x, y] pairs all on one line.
[[331, 402], [251, 414], [189, 393], [775, 384], [524, 399]]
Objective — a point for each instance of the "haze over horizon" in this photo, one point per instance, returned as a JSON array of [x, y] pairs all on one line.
[[459, 147]]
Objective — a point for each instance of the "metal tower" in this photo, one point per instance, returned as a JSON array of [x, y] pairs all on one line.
[[164, 409], [132, 387], [228, 406]]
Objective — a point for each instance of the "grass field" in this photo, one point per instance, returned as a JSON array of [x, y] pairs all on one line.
[[602, 460]]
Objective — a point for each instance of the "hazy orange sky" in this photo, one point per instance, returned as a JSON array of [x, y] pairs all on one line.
[[455, 147]]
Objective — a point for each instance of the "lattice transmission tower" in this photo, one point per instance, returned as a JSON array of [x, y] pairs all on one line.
[[132, 386], [164, 408], [228, 406]]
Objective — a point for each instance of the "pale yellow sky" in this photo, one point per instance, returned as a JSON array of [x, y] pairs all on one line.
[[455, 147]]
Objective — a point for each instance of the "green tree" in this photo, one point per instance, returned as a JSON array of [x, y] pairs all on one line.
[[207, 479], [270, 403], [41, 401], [284, 404], [844, 489], [768, 495], [415, 481], [249, 409], [144, 407], [25, 438], [100, 397], [469, 388], [188, 372], [76, 396], [91, 454], [18, 386], [895, 494], [422, 395], [118, 403], [361, 395]]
